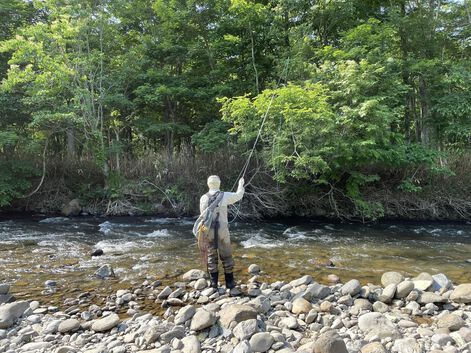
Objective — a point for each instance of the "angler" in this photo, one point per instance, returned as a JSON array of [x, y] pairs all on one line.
[[212, 230]]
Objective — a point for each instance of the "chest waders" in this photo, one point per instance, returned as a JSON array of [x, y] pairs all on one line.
[[213, 276]]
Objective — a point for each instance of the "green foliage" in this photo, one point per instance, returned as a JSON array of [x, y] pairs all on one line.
[[14, 180], [212, 137]]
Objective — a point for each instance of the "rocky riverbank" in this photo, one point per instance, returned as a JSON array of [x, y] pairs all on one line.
[[422, 314]]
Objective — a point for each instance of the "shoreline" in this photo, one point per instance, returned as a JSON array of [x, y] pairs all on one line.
[[422, 314]]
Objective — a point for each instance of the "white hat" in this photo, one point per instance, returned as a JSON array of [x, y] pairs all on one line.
[[214, 182]]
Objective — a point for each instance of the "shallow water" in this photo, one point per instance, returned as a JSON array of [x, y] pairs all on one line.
[[38, 249]]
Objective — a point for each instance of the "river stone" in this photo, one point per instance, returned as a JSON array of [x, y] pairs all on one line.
[[441, 339], [407, 345], [185, 314], [36, 346], [300, 281], [388, 293], [423, 281], [429, 297], [465, 332], [105, 271], [352, 287], [404, 288], [254, 269], [330, 342], [69, 325], [200, 284], [4, 288], [66, 349], [362, 304], [373, 347], [451, 321], [9, 313], [376, 324], [106, 323], [237, 313], [6, 298], [391, 278], [380, 307], [440, 281], [261, 342], [242, 347], [316, 290], [164, 293], [462, 293], [245, 329], [301, 306], [193, 275], [191, 344], [203, 319]]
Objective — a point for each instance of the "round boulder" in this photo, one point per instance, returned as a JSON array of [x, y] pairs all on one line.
[[391, 278], [261, 342]]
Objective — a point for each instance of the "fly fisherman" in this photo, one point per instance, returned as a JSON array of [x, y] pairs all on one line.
[[212, 230]]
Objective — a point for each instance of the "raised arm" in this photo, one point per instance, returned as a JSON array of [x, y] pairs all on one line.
[[232, 197]]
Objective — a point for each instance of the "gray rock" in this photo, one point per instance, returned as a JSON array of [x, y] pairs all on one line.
[[106, 323], [465, 332], [407, 345], [193, 275], [237, 313], [380, 307], [185, 314], [66, 349], [191, 345], [69, 325], [373, 347], [9, 313], [451, 321], [441, 339], [105, 271], [423, 281], [202, 319], [362, 304], [6, 298], [36, 346], [261, 342], [391, 278], [242, 347], [200, 284], [4, 288], [245, 329], [73, 208], [289, 322], [330, 342], [352, 287], [154, 332], [462, 293], [316, 290], [301, 306], [376, 324], [165, 293], [300, 281], [176, 332], [388, 293], [440, 281], [254, 269], [429, 297]]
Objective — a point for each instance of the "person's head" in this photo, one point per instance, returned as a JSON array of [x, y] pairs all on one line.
[[214, 183]]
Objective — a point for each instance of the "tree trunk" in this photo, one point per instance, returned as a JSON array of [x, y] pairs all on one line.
[[71, 147]]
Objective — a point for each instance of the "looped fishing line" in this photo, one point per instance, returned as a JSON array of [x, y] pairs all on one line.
[[247, 162]]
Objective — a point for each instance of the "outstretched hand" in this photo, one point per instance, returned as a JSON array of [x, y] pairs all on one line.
[[241, 182]]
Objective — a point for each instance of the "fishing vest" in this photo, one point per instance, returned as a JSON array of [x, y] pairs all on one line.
[[211, 200]]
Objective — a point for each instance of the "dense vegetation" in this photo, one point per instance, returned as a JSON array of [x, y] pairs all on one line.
[[128, 105]]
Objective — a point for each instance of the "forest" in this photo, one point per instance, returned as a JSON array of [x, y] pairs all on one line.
[[354, 110]]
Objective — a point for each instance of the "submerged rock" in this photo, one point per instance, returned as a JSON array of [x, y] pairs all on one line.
[[105, 271]]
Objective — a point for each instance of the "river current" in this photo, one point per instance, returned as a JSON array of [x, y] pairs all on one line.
[[38, 249]]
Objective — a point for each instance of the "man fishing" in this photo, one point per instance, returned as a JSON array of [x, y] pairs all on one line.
[[212, 230]]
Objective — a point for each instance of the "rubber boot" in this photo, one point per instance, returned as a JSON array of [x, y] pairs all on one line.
[[229, 280], [214, 280]]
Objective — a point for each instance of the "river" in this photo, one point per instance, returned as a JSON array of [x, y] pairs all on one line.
[[36, 249]]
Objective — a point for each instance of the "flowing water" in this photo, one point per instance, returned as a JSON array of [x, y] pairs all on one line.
[[35, 250]]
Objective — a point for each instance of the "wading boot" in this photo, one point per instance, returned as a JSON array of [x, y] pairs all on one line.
[[214, 280], [229, 280]]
